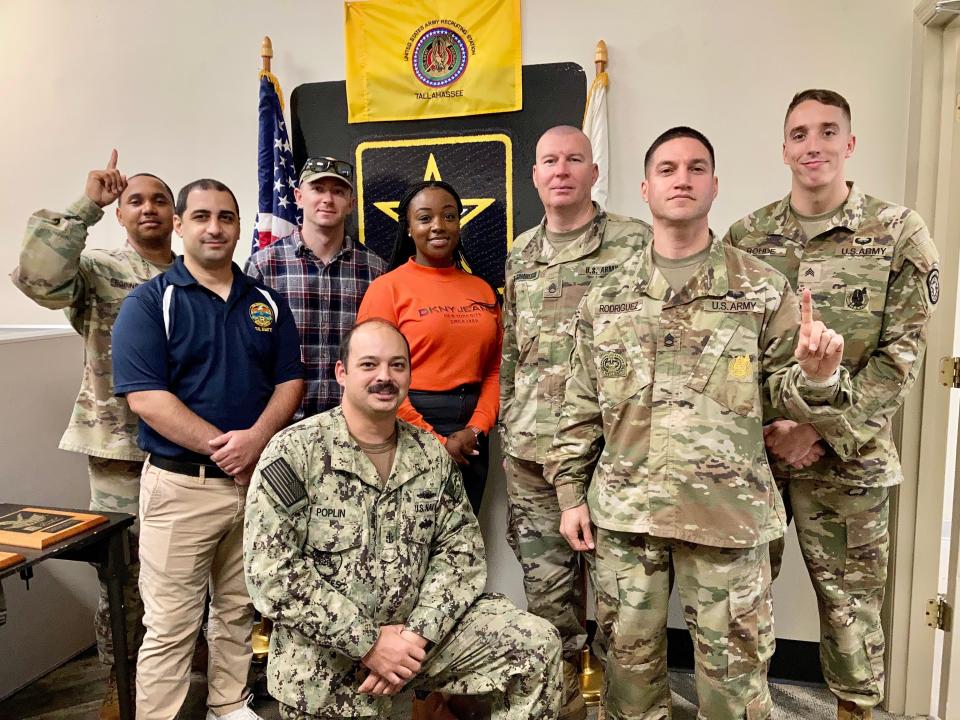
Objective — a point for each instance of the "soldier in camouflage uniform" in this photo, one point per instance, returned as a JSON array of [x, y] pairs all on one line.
[[360, 544], [549, 269], [676, 354], [56, 271], [873, 270]]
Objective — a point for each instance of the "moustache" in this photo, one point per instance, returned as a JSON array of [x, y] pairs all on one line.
[[383, 387]]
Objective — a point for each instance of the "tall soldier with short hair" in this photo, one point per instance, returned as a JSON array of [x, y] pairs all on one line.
[[676, 355], [57, 271], [548, 271], [873, 270]]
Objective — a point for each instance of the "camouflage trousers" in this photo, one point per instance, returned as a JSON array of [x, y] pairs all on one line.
[[115, 487], [552, 578], [725, 594], [843, 532], [498, 649]]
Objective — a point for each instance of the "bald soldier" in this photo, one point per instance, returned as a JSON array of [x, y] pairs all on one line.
[[548, 271], [360, 544], [873, 270], [676, 355], [57, 271]]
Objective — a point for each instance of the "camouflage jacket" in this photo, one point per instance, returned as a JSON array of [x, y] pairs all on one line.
[[875, 279], [331, 557], [55, 271], [540, 300], [667, 388]]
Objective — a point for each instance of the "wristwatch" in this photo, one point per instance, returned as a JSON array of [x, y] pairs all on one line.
[[477, 432]]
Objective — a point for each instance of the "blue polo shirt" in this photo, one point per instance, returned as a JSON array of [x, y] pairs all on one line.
[[222, 359]]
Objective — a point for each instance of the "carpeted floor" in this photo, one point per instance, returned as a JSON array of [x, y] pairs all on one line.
[[74, 691]]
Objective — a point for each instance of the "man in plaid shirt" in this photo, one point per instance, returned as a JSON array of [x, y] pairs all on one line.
[[322, 273]]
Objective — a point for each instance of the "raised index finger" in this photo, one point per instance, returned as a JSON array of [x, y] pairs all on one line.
[[806, 308], [112, 165]]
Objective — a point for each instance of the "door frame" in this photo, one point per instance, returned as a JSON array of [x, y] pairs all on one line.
[[913, 648]]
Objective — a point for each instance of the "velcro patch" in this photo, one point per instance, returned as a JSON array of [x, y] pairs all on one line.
[[285, 483], [453, 487], [933, 285]]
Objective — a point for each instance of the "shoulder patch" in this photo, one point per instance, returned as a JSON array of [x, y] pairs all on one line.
[[285, 483], [933, 285], [453, 487]]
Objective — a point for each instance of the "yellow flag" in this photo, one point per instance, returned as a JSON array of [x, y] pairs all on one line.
[[422, 59]]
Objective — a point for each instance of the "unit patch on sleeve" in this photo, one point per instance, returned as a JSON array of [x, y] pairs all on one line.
[[933, 285], [285, 483]]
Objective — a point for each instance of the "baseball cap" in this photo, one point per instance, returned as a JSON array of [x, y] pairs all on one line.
[[322, 167]]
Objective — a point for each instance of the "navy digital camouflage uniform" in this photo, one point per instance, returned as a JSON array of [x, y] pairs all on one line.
[[57, 272], [332, 554], [875, 279]]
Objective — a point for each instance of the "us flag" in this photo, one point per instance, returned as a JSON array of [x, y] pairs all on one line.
[[277, 211]]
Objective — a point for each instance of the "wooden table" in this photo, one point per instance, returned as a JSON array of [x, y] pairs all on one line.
[[105, 547]]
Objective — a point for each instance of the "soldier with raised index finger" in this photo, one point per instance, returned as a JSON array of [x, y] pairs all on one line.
[[873, 270], [660, 443]]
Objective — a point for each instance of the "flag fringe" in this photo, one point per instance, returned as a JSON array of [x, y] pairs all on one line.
[[602, 80], [276, 84]]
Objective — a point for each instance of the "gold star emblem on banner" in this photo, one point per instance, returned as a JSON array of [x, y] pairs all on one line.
[[471, 206]]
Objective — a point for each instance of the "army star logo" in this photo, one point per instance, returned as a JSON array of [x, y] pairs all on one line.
[[613, 364], [740, 368], [471, 206]]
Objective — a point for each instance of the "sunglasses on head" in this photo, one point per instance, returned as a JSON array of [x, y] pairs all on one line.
[[340, 167]]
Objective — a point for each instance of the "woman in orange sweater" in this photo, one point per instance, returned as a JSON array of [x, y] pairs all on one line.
[[452, 321]]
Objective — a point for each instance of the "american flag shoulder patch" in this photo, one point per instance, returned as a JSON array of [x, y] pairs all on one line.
[[286, 485]]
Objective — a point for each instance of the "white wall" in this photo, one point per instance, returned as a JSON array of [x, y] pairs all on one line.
[[173, 86], [53, 620]]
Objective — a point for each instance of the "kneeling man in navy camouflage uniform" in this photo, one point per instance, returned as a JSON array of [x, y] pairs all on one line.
[[361, 546]]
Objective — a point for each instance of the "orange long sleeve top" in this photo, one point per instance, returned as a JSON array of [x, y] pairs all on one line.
[[452, 321]]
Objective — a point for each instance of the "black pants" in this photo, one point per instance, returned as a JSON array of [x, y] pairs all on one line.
[[449, 411]]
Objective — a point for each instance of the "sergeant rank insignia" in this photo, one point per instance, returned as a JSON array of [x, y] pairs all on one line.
[[613, 364], [740, 368]]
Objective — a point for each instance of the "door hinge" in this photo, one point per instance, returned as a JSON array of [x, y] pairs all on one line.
[[950, 372], [940, 614]]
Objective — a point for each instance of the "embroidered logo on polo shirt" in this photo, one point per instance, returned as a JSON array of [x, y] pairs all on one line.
[[262, 316]]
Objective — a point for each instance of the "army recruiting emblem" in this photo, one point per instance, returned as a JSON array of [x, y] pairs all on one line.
[[613, 364], [857, 299], [741, 368], [439, 57], [262, 316]]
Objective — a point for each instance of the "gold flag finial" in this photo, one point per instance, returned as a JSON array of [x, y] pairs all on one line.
[[266, 52], [600, 57]]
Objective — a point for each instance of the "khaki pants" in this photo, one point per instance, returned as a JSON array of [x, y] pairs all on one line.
[[191, 540]]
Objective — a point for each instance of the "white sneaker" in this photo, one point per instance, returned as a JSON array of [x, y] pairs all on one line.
[[244, 713]]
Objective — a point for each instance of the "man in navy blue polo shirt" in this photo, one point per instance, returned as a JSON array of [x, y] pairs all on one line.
[[209, 359]]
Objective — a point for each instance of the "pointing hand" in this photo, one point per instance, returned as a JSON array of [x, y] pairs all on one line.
[[819, 349], [104, 186]]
